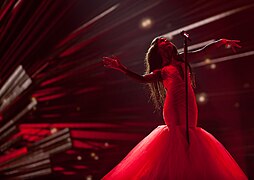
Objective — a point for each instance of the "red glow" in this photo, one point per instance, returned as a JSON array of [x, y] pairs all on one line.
[[36, 131], [47, 98], [58, 168], [80, 167], [70, 152], [51, 115], [47, 91], [69, 172], [53, 80], [85, 90], [104, 135], [16, 135], [13, 154], [70, 125], [33, 138], [54, 107], [33, 134], [77, 47], [80, 144]]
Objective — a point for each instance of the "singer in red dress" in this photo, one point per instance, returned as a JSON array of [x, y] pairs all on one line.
[[165, 153]]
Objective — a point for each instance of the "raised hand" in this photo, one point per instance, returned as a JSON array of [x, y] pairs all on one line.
[[113, 62], [231, 44]]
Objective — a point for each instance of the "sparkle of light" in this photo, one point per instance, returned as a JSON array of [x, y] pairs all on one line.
[[53, 130], [213, 66], [207, 61], [146, 23], [202, 98], [79, 158]]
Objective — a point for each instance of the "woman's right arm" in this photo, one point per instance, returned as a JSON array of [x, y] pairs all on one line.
[[114, 63]]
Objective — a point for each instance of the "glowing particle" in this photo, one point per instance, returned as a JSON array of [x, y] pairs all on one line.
[[146, 23]]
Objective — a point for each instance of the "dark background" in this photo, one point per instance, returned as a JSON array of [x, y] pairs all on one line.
[[60, 45]]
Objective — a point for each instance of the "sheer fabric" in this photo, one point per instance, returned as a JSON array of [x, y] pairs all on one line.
[[165, 153]]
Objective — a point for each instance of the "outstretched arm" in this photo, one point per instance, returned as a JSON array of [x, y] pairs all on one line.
[[192, 55], [114, 63]]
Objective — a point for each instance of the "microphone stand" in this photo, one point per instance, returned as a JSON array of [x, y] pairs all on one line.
[[186, 38]]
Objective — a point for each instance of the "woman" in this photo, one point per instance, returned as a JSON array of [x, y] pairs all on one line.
[[165, 152]]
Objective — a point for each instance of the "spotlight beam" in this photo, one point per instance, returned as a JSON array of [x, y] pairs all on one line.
[[87, 24], [10, 123], [223, 59], [207, 21], [9, 82], [199, 45], [18, 82], [98, 17]]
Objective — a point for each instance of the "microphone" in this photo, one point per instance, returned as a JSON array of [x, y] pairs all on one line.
[[186, 35]]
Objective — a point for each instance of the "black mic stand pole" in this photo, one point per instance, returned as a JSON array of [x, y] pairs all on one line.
[[186, 37]]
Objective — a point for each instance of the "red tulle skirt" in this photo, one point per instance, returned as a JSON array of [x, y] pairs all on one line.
[[165, 154]]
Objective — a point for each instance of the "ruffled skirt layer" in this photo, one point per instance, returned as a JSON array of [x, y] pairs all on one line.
[[165, 154]]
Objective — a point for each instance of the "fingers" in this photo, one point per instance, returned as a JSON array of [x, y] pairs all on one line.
[[229, 40], [233, 44], [237, 41], [106, 62], [109, 62], [107, 65], [233, 49], [115, 57], [110, 59], [236, 45], [107, 59]]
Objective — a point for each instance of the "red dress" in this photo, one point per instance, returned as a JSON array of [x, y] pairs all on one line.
[[165, 154]]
